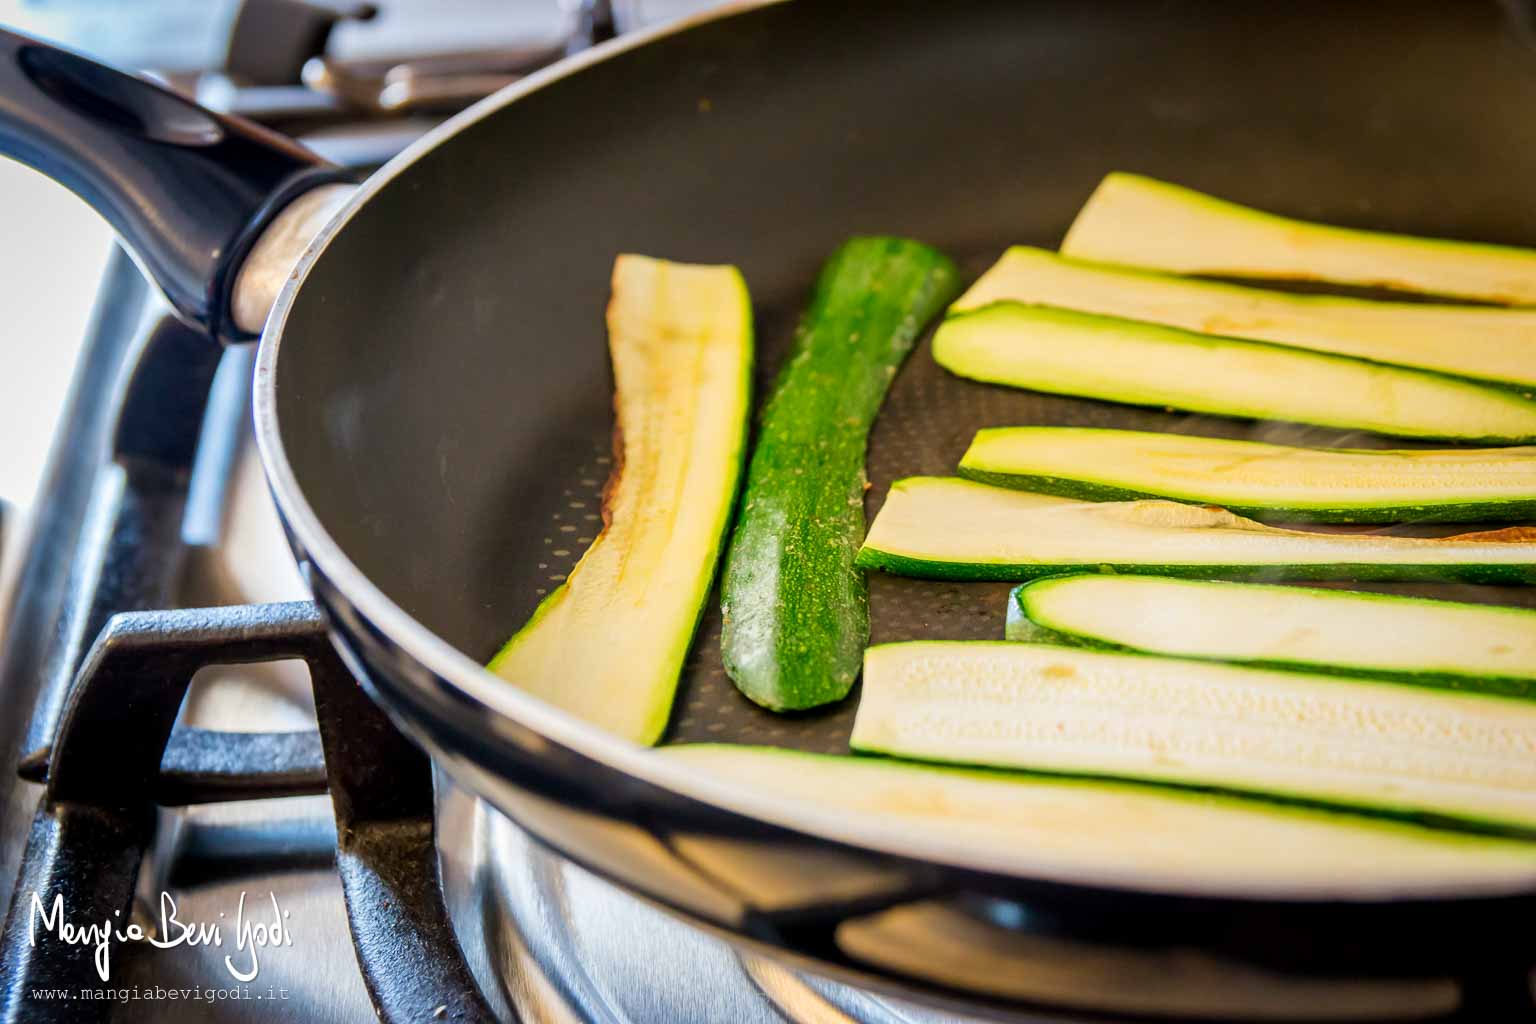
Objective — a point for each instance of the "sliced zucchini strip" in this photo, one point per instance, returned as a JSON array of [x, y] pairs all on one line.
[[1069, 353], [608, 644], [1020, 628], [1456, 758], [796, 611], [1148, 223], [1111, 832], [1269, 481], [1482, 648], [1467, 341], [946, 528]]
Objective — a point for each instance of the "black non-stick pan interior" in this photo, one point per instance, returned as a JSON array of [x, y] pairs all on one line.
[[443, 389]]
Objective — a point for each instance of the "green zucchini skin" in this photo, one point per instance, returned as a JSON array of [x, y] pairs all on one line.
[[1490, 344], [874, 735], [1516, 511], [1010, 572], [1286, 483], [1022, 628], [796, 610], [949, 528], [1000, 819], [1467, 825], [1133, 362]]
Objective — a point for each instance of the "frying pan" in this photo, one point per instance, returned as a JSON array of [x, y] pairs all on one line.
[[433, 408]]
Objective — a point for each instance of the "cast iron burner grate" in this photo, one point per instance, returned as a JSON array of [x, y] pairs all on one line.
[[104, 739]]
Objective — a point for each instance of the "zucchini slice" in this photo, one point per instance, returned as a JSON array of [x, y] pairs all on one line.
[[1269, 481], [1467, 341], [1459, 759], [1482, 648], [1069, 353], [1148, 223], [1020, 628], [1112, 832], [796, 610], [608, 644], [945, 528]]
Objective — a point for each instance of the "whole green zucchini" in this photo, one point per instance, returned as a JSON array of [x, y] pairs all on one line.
[[796, 610]]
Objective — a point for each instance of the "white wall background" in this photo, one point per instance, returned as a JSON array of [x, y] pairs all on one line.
[[52, 252]]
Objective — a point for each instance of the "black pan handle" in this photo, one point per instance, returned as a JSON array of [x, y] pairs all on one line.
[[189, 191]]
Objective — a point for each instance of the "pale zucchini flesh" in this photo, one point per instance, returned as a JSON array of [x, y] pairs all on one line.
[[608, 645], [1268, 481], [1480, 648], [947, 528], [1143, 222], [1457, 759], [1488, 344], [1113, 833], [1070, 353]]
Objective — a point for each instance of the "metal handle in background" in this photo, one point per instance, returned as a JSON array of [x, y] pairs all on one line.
[[96, 816], [188, 191]]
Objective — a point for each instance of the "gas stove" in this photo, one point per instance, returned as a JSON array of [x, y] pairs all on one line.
[[153, 498]]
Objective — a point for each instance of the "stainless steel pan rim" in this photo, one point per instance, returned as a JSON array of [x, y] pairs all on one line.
[[495, 696]]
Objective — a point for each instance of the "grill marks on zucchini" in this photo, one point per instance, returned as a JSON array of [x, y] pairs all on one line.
[[795, 608], [1264, 480], [1112, 833], [946, 528], [1455, 758], [1148, 223], [1468, 341], [1482, 648], [1071, 353], [608, 645]]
